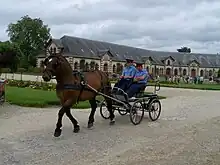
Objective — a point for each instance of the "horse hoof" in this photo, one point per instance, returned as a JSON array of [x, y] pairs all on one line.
[[57, 133], [112, 122], [76, 129], [90, 125]]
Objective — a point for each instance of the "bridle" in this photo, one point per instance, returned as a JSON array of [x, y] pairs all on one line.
[[47, 60]]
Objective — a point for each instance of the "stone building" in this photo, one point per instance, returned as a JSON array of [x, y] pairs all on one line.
[[85, 54]]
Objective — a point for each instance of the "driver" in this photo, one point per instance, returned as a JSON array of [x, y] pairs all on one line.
[[127, 76], [140, 80]]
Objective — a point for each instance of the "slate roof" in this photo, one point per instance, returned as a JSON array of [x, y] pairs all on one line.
[[80, 47]]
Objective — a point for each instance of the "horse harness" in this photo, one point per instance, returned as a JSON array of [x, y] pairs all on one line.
[[83, 84]]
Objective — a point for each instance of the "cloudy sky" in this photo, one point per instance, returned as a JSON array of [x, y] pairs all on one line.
[[158, 25]]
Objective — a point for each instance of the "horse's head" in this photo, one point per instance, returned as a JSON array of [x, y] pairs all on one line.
[[55, 65]]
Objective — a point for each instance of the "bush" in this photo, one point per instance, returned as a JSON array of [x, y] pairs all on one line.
[[32, 84]]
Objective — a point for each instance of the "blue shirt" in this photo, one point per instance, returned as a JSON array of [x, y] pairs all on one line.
[[129, 71], [141, 73]]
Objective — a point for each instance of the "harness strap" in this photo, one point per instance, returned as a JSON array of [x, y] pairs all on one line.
[[82, 84]]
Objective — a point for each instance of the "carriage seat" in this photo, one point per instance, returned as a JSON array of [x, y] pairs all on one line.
[[119, 94], [141, 92]]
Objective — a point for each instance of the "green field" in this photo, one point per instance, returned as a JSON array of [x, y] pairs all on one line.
[[29, 97]]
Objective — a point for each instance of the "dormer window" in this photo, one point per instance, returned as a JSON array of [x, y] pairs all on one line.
[[54, 50], [168, 62]]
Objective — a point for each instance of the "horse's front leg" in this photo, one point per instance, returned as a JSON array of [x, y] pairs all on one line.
[[92, 113], [58, 129], [73, 120], [65, 109]]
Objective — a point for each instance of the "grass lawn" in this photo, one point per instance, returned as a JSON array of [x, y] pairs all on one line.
[[29, 97], [192, 86]]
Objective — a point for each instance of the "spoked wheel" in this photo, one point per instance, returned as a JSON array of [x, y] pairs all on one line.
[[154, 109], [137, 112], [103, 110]]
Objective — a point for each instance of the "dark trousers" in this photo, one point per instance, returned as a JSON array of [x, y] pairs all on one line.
[[135, 88], [124, 84]]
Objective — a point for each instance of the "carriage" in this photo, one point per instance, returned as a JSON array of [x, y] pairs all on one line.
[[136, 106]]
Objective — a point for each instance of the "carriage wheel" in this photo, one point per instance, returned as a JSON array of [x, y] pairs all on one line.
[[122, 112], [104, 111], [137, 112], [154, 109]]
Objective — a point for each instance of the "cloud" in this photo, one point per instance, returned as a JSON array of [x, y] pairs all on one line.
[[159, 25]]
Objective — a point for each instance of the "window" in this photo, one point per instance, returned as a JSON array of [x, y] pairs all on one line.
[[168, 62]]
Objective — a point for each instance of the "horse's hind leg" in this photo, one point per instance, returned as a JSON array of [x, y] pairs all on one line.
[[92, 113], [110, 109], [73, 120]]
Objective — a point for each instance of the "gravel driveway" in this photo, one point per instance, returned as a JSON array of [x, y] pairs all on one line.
[[187, 133]]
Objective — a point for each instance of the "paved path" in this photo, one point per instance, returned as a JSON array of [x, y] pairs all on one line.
[[187, 133]]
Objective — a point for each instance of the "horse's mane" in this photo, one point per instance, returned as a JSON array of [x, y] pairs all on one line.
[[62, 58]]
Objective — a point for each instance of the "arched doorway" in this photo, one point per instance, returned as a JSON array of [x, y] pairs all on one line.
[[105, 69], [175, 72], [114, 69], [76, 66], [157, 71], [161, 72], [168, 72], [92, 65], [184, 72], [147, 68], [82, 64], [119, 68], [193, 73], [96, 66], [87, 67], [152, 71], [202, 73]]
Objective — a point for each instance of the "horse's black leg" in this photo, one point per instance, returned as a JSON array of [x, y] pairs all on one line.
[[58, 129], [107, 91], [92, 113], [73, 120], [110, 109]]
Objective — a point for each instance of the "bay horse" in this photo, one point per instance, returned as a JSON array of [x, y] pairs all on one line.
[[72, 87]]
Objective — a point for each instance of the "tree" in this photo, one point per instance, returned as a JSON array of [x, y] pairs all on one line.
[[9, 55], [184, 49], [30, 34]]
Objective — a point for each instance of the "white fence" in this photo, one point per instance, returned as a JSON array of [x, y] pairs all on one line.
[[16, 76]]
